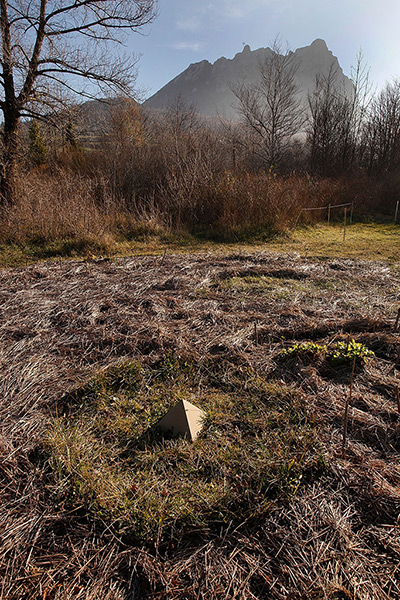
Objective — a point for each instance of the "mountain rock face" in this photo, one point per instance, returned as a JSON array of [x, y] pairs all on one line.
[[208, 87]]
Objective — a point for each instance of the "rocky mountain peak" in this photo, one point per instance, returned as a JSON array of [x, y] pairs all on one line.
[[208, 87], [319, 45]]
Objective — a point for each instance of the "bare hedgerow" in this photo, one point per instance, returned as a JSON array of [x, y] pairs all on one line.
[[61, 205]]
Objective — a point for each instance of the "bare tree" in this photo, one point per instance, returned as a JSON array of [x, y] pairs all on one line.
[[328, 113], [50, 48], [270, 109], [336, 118], [383, 129], [359, 103]]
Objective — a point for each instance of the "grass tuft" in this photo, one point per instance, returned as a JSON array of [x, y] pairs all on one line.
[[257, 445]]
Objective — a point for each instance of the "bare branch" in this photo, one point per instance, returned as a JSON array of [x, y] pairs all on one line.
[[270, 109], [65, 44]]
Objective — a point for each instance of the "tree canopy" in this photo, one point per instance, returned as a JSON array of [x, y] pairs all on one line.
[[51, 49]]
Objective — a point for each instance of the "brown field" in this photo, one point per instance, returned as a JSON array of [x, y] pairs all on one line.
[[332, 534]]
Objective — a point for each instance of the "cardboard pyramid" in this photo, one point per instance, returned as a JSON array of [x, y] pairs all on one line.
[[183, 419]]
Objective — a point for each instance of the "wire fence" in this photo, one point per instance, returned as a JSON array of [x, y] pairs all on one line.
[[329, 208]]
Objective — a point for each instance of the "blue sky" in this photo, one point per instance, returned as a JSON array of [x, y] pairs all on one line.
[[188, 31]]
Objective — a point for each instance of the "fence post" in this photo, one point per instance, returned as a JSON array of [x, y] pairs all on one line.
[[344, 224], [396, 212]]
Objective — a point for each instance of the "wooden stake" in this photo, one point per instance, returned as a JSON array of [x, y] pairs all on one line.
[[329, 213], [398, 357], [346, 408], [255, 333], [396, 211], [396, 361], [397, 320], [344, 223]]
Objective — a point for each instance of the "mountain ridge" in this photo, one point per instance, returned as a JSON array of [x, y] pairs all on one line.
[[208, 86]]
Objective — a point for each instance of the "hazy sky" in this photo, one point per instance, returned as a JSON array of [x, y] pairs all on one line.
[[188, 31]]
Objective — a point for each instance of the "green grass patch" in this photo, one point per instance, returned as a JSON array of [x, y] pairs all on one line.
[[245, 234], [370, 241], [282, 288], [258, 445], [261, 285]]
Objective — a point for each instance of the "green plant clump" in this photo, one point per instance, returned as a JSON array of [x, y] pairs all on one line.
[[303, 349], [344, 353]]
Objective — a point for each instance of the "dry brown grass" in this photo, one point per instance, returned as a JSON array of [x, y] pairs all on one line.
[[81, 209], [338, 538], [63, 206]]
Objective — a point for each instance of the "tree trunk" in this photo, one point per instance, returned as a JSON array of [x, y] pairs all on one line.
[[9, 159]]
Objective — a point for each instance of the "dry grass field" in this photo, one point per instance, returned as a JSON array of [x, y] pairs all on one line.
[[96, 505]]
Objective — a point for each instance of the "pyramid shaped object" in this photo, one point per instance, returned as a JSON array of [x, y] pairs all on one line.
[[183, 419]]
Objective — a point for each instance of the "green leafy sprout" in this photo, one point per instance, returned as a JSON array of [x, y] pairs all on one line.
[[344, 353], [303, 349]]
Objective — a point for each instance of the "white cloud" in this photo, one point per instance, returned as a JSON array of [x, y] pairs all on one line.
[[235, 9], [188, 23], [194, 46], [233, 12], [228, 9], [204, 16]]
